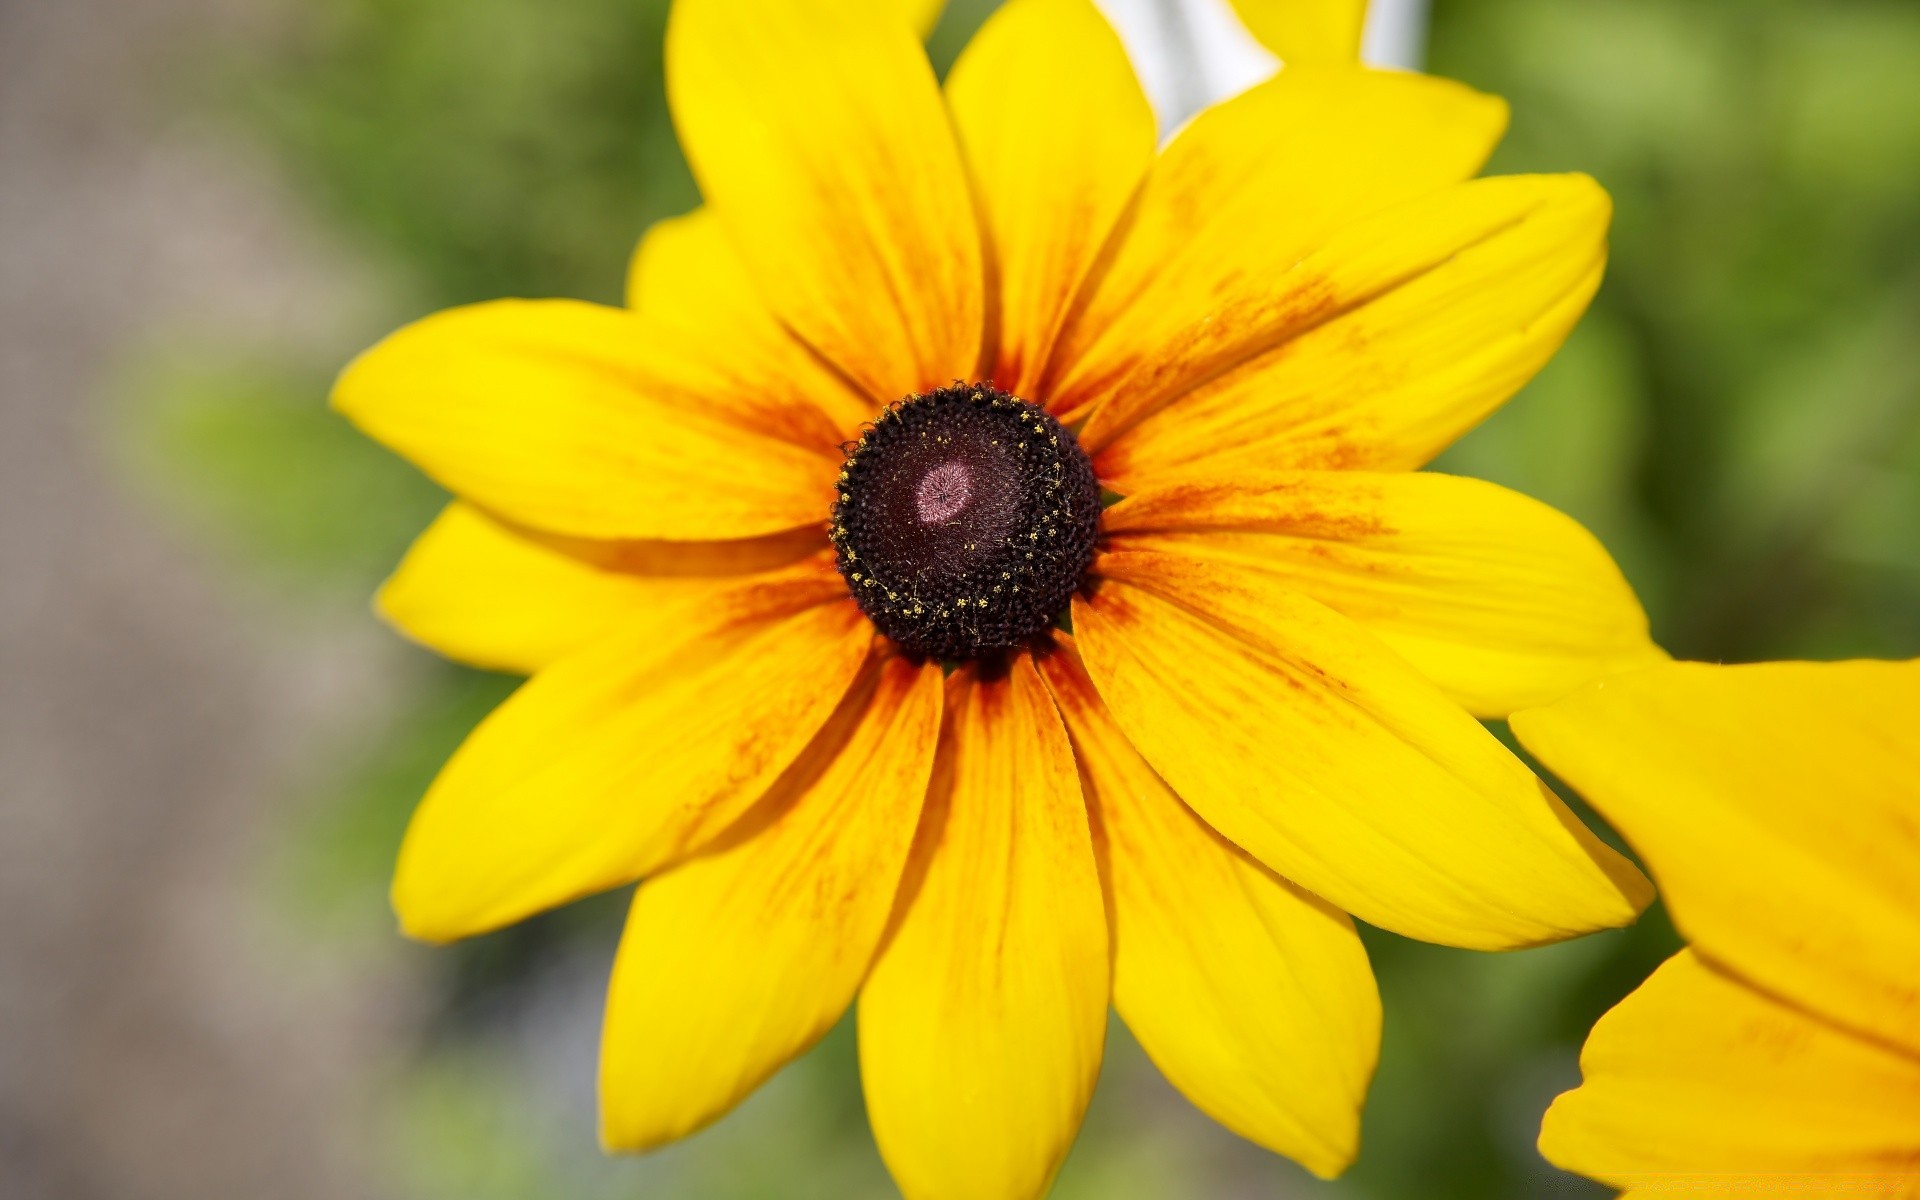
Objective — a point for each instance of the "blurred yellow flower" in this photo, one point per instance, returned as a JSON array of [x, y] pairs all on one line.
[[1779, 808], [1307, 32], [1263, 720]]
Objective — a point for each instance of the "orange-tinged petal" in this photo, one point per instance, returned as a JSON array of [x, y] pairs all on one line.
[[1307, 31], [981, 1026], [687, 278], [1234, 203], [630, 754], [1779, 807], [1394, 338], [1296, 734], [1501, 600], [1252, 996], [577, 419], [1697, 1081], [738, 960], [511, 599], [1055, 154], [1826, 1185], [687, 560], [476, 591], [821, 142]]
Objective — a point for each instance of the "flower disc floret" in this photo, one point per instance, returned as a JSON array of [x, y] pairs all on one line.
[[966, 519]]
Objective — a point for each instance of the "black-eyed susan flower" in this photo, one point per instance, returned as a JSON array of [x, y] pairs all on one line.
[[1778, 805], [860, 422]]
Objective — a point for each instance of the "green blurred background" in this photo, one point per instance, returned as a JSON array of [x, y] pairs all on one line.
[[1738, 418]]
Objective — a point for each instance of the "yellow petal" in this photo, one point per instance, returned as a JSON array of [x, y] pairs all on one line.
[[1779, 807], [1696, 1080], [576, 418], [630, 754], [981, 1026], [1320, 752], [1236, 200], [1056, 154], [738, 960], [686, 560], [687, 278], [922, 15], [1499, 599], [1394, 338], [821, 142], [1252, 996], [1820, 1186], [481, 592], [1307, 31]]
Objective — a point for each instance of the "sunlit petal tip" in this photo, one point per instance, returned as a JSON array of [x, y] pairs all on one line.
[[416, 917]]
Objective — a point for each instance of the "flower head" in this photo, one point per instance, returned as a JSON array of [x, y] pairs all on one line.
[[861, 416], [1779, 807]]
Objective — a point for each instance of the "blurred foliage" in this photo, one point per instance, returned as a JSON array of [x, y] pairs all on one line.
[[237, 443], [496, 147], [1738, 418], [1764, 159]]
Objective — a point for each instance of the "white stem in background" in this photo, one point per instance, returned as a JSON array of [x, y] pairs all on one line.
[[1189, 53], [1193, 53], [1396, 34]]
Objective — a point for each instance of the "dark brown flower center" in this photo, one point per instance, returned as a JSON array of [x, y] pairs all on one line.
[[966, 518]]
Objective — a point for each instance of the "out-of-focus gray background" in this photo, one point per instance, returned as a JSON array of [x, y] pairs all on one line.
[[207, 747]]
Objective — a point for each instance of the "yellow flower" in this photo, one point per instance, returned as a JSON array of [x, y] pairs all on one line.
[[1307, 32], [1263, 719], [1779, 808]]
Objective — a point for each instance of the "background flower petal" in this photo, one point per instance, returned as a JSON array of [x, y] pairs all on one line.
[[1779, 807], [1056, 154], [820, 140], [738, 960], [1253, 997], [1696, 1080], [1317, 750], [628, 755], [1385, 344], [1307, 31], [1235, 201], [570, 417], [1499, 599], [982, 1025]]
